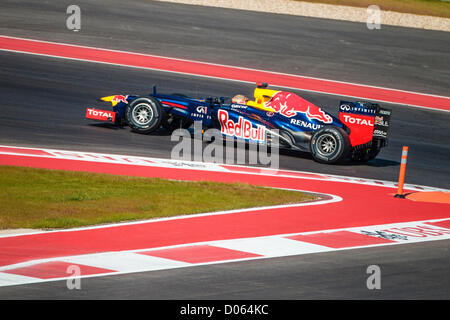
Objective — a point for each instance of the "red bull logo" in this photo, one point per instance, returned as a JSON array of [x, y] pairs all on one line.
[[241, 129], [115, 99], [289, 104], [120, 98]]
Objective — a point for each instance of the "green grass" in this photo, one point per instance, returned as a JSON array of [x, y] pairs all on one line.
[[422, 7], [39, 198]]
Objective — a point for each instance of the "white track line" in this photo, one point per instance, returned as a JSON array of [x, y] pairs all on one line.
[[226, 79], [131, 261]]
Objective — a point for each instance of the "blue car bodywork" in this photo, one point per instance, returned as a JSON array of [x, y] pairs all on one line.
[[359, 133]]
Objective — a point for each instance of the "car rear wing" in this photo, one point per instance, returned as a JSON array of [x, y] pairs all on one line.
[[382, 122], [366, 121]]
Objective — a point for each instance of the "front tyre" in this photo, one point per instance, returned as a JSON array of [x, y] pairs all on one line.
[[330, 145], [145, 115]]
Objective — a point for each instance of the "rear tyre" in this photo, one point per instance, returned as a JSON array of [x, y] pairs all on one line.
[[366, 155], [330, 145], [145, 115], [373, 153]]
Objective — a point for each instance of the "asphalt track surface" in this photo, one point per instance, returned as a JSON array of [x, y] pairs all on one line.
[[43, 101], [407, 272], [393, 57]]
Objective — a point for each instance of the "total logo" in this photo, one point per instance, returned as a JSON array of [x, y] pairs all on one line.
[[241, 129], [100, 113], [354, 120]]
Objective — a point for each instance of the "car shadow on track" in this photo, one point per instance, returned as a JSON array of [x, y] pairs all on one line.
[[382, 163], [377, 162], [110, 126]]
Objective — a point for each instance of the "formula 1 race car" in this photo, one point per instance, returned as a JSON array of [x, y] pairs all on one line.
[[359, 133]]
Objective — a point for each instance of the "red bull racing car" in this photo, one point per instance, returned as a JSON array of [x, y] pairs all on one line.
[[358, 133]]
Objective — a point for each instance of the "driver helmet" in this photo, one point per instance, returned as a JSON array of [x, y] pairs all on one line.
[[239, 99]]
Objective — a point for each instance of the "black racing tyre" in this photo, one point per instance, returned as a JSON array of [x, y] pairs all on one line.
[[145, 115], [373, 153], [365, 155], [330, 145]]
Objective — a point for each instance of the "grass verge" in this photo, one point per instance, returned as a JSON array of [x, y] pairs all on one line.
[[436, 8], [39, 198]]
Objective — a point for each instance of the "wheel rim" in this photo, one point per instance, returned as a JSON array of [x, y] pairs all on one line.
[[326, 144], [143, 114]]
